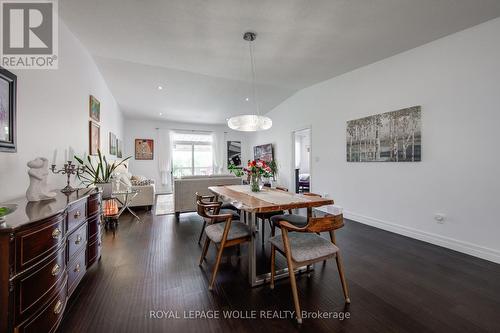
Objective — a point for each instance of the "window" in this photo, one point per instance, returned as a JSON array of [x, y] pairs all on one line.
[[192, 154]]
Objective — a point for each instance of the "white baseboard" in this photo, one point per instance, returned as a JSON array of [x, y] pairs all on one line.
[[450, 243]]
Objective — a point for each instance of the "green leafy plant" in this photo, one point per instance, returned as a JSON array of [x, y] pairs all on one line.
[[237, 171], [274, 168], [99, 173], [3, 211]]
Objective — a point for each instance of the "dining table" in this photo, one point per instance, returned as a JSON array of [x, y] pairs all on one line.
[[267, 200]]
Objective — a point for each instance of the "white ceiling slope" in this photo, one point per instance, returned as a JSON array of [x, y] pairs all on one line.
[[195, 50]]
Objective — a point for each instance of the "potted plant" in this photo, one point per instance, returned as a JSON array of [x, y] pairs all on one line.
[[256, 170], [100, 174], [235, 170]]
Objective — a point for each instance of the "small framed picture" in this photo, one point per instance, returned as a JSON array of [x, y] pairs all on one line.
[[112, 144], [144, 149], [119, 148], [234, 153], [94, 138], [8, 86], [94, 109]]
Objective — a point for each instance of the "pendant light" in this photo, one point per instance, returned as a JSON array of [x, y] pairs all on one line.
[[251, 122]]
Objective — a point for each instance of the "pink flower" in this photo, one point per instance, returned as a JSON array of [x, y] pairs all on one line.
[[259, 164]]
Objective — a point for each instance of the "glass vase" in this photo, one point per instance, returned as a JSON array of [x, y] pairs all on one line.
[[256, 183]]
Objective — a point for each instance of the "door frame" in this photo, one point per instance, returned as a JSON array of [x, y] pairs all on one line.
[[308, 127]]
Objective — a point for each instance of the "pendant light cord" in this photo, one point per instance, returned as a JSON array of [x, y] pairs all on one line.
[[254, 89]]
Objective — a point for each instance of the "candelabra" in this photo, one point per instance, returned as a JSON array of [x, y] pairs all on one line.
[[68, 170]]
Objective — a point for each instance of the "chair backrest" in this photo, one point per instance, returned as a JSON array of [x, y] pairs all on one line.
[[202, 197], [205, 210], [324, 223]]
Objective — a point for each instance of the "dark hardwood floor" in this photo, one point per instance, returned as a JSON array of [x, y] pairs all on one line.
[[397, 284]]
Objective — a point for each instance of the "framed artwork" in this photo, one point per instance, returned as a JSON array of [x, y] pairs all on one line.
[[94, 109], [144, 149], [234, 153], [263, 152], [112, 144], [8, 96], [94, 138], [119, 148], [387, 137]]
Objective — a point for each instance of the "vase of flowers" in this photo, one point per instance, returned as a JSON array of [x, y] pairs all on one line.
[[257, 169]]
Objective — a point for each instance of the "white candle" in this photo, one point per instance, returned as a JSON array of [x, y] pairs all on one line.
[[54, 157], [65, 156]]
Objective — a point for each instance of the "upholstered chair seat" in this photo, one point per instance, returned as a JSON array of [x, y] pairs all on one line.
[[306, 246], [237, 230]]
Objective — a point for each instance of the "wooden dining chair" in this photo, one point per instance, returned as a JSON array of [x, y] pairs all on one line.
[[222, 209], [268, 215], [303, 246], [294, 219], [226, 233]]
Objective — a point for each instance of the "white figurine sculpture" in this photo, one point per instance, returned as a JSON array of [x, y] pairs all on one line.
[[38, 172]]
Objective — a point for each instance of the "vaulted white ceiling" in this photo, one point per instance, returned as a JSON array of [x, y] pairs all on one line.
[[195, 51]]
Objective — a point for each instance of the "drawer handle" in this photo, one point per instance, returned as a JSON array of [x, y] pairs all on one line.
[[77, 268], [58, 307], [78, 239], [56, 269], [56, 233], [77, 214]]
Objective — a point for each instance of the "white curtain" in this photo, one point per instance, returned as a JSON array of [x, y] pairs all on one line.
[[218, 157], [164, 150]]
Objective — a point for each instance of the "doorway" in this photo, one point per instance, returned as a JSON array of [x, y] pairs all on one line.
[[302, 160]]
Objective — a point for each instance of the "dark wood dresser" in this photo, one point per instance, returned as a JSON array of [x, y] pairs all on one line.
[[46, 248]]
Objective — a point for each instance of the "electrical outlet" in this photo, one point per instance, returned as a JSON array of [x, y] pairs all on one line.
[[440, 218]]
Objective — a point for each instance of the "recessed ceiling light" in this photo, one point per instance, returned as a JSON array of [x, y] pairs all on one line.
[[160, 87], [247, 99], [161, 113]]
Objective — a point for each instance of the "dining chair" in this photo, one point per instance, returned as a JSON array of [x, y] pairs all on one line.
[[222, 209], [294, 219], [302, 246], [226, 233], [268, 215]]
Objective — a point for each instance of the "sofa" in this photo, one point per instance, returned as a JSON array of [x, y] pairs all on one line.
[[145, 197], [186, 187]]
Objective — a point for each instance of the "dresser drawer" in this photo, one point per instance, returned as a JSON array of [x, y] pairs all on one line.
[[76, 271], [37, 286], [39, 242], [94, 227], [77, 240], [49, 317], [93, 251], [94, 204], [77, 213]]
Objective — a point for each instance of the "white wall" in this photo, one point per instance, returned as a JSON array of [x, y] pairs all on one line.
[[146, 129], [456, 81], [53, 113]]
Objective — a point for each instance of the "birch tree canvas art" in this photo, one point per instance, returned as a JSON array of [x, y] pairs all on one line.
[[387, 137]]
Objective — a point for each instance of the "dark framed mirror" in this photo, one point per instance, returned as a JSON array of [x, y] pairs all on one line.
[[8, 95]]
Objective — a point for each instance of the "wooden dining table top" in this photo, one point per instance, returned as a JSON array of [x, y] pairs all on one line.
[[267, 200]]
